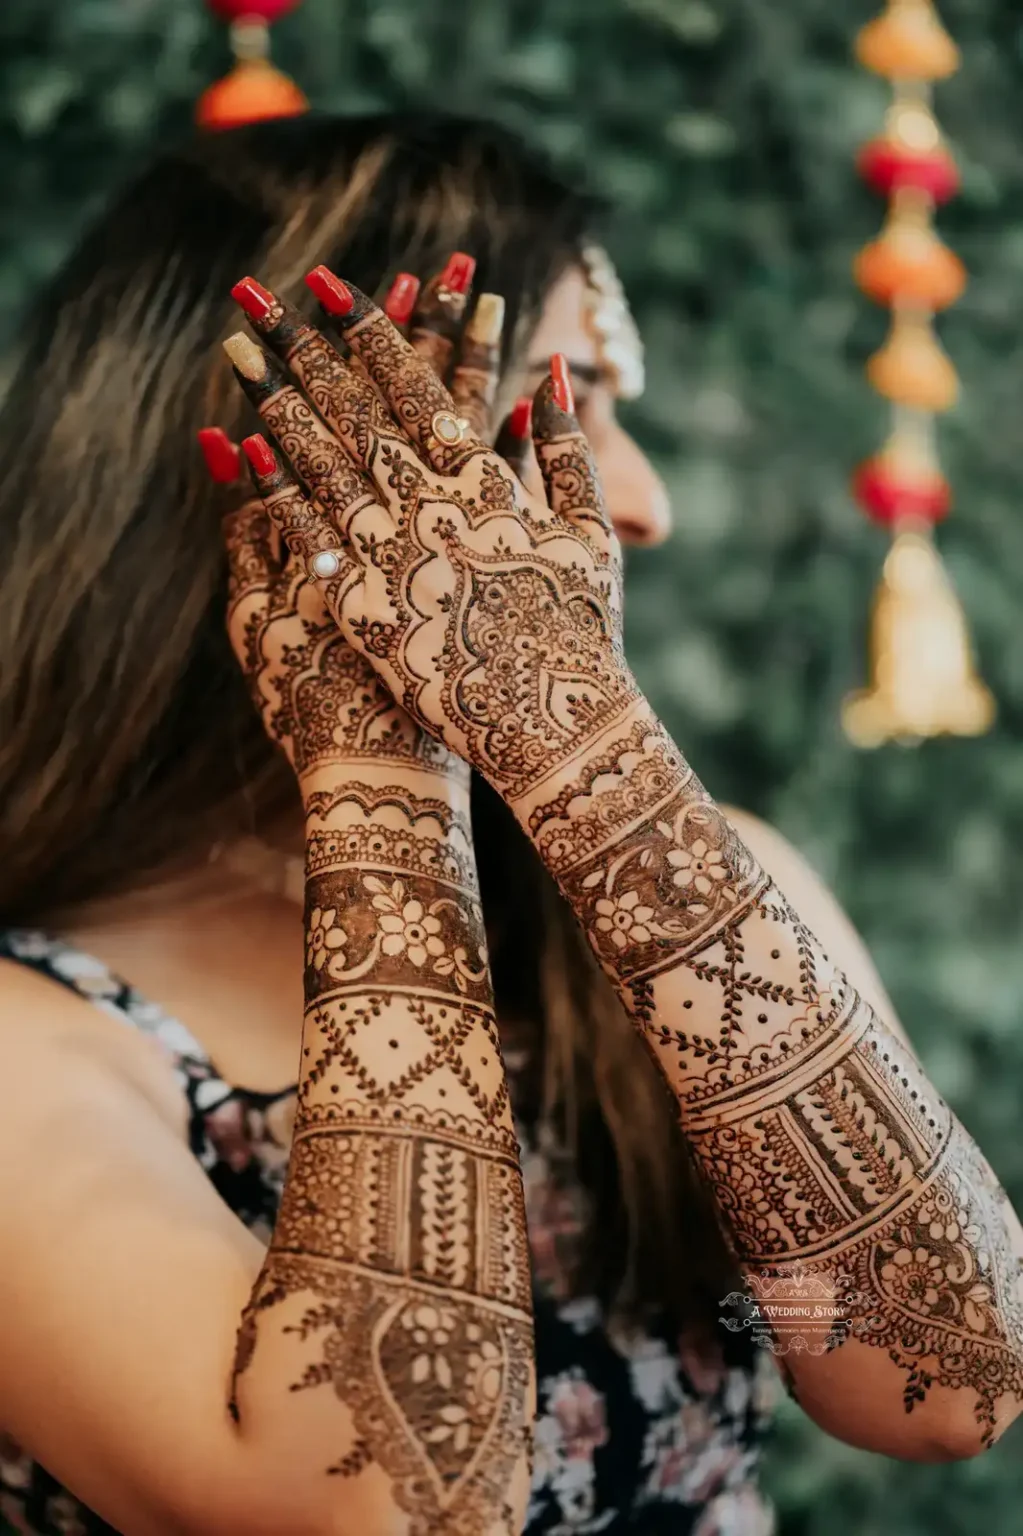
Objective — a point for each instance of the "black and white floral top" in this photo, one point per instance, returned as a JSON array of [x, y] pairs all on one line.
[[633, 1434]]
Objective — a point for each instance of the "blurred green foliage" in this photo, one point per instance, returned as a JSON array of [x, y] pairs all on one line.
[[725, 131]]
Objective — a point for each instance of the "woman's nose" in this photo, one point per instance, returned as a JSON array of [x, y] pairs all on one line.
[[635, 493]]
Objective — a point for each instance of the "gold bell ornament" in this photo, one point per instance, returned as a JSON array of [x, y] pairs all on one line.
[[923, 681]]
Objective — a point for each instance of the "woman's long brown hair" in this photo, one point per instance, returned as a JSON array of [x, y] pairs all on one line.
[[127, 740]]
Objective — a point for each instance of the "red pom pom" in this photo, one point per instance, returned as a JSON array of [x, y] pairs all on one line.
[[889, 167], [265, 10], [887, 492]]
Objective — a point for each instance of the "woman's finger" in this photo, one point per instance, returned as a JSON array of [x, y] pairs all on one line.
[[420, 404], [478, 369], [252, 574], [302, 526], [437, 319], [223, 458], [566, 462], [313, 451], [338, 387], [400, 303], [224, 462], [514, 442]]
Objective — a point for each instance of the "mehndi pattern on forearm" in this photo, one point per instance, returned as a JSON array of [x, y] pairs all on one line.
[[818, 1133], [402, 1228]]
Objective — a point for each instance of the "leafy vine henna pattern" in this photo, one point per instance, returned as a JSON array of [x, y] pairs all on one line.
[[816, 1129]]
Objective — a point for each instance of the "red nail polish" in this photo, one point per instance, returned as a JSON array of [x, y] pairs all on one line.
[[458, 274], [562, 381], [330, 290], [253, 298], [222, 457], [401, 300], [259, 454], [521, 419]]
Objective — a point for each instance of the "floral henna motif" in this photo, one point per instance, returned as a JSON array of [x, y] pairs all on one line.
[[320, 700], [420, 922], [653, 892], [852, 1166]]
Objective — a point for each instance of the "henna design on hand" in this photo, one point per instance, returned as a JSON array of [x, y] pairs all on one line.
[[320, 701], [494, 620], [438, 315], [477, 372], [822, 1140]]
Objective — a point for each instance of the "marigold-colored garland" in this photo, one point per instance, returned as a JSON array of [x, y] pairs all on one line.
[[922, 677]]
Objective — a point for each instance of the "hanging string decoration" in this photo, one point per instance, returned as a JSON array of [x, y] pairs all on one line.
[[923, 681], [255, 89]]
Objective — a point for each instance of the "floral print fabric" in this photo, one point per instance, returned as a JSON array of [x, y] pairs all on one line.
[[634, 1433]]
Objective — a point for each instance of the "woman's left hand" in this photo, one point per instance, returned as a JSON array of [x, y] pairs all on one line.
[[494, 618]]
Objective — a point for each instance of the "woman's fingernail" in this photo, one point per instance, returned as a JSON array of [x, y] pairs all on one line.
[[520, 421], [562, 382], [250, 360], [222, 457], [487, 320], [401, 300], [458, 274], [332, 293], [256, 301], [259, 454]]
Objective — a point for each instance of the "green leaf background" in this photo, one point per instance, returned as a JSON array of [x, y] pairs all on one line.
[[725, 131]]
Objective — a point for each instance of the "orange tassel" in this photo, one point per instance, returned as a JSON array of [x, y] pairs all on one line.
[[908, 42], [911, 368], [254, 91]]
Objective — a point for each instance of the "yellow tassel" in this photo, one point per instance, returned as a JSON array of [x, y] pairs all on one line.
[[923, 679]]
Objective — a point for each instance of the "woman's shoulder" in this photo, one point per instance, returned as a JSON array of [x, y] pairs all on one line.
[[59, 1012]]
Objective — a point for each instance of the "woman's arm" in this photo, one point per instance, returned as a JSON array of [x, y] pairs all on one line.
[[814, 1124], [388, 1339], [400, 1252], [496, 619], [396, 1290]]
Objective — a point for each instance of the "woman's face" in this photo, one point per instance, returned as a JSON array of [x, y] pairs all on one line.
[[636, 497]]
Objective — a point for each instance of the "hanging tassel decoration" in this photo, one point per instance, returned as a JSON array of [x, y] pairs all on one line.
[[923, 681], [255, 89]]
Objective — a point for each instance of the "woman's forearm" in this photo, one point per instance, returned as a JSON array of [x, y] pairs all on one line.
[[820, 1137], [396, 1288]]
